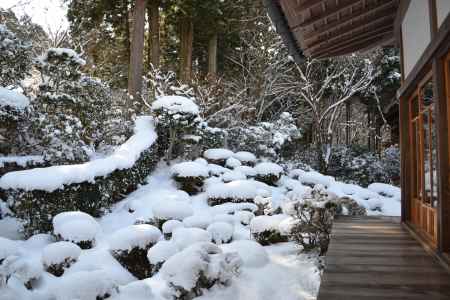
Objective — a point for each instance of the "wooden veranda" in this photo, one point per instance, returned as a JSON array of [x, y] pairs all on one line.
[[376, 258]]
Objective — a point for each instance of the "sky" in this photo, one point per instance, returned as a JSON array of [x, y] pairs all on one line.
[[50, 14]]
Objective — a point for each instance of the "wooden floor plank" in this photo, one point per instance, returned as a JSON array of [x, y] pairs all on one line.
[[375, 258]]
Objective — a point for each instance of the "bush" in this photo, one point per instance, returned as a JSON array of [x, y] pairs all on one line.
[[159, 254], [349, 207], [198, 268], [59, 256], [37, 208], [130, 245], [76, 227], [265, 229], [189, 176]]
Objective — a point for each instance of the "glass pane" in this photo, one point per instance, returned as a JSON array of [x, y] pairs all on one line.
[[415, 107], [433, 158], [426, 158], [414, 169], [427, 94]]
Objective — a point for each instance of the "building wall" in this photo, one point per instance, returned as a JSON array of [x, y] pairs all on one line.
[[442, 9], [416, 33]]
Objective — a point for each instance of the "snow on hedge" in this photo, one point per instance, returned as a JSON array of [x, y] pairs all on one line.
[[233, 162], [233, 176], [8, 248], [245, 157], [218, 154], [217, 170], [162, 251], [253, 255], [239, 189], [55, 177], [248, 171], [189, 169], [75, 226], [21, 160], [268, 168], [13, 99], [198, 221], [221, 232], [185, 237], [266, 223], [134, 236], [314, 177], [59, 252], [169, 226], [176, 104]]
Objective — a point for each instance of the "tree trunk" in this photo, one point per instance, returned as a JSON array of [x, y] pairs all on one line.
[[137, 49], [154, 49], [212, 56], [186, 39]]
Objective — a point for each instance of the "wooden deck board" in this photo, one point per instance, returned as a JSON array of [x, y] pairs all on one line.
[[375, 258]]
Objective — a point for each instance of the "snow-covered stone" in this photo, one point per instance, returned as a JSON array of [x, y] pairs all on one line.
[[221, 232]]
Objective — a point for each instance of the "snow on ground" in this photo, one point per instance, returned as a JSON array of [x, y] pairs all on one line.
[[266, 272], [13, 99]]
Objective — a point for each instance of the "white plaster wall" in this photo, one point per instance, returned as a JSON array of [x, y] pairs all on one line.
[[442, 9], [415, 33]]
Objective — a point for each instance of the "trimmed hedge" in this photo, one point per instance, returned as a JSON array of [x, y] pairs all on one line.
[[37, 208]]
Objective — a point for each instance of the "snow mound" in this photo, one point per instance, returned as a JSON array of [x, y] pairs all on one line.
[[185, 237], [385, 190], [221, 232], [248, 171], [55, 177], [8, 248], [232, 162], [60, 252], [201, 161], [75, 226], [227, 218], [252, 253], [85, 285], [134, 236], [266, 223], [13, 99], [161, 252], [245, 157], [199, 221], [136, 290], [189, 169], [169, 226], [268, 168], [314, 178], [244, 217], [231, 208], [172, 209], [239, 189], [175, 105], [218, 154], [217, 170], [21, 160]]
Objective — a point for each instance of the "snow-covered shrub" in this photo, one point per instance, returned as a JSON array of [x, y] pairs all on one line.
[[245, 217], [160, 253], [313, 218], [169, 226], [253, 255], [232, 163], [349, 207], [86, 285], [36, 206], [76, 227], [24, 270], [178, 116], [7, 248], [189, 176], [266, 138], [164, 211], [198, 220], [235, 191], [198, 268], [268, 173], [391, 162], [185, 237], [211, 137], [130, 245], [217, 156], [59, 256], [221, 232], [265, 229], [233, 176], [15, 58], [246, 158], [246, 170]]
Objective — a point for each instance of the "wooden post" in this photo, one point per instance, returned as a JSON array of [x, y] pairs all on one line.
[[441, 79], [137, 49], [405, 170]]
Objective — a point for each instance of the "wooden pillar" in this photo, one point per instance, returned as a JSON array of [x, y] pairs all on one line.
[[405, 154], [443, 155]]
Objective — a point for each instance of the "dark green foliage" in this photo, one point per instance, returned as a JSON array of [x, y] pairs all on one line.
[[191, 185], [135, 261], [37, 208], [218, 201], [269, 237], [58, 269], [350, 207], [270, 179]]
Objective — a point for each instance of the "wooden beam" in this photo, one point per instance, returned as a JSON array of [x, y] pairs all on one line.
[[351, 39], [379, 10], [307, 4], [379, 21]]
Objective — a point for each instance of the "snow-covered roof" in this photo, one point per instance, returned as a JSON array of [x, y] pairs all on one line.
[[13, 99], [55, 177]]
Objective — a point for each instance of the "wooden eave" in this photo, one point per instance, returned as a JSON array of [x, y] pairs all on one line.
[[327, 28]]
